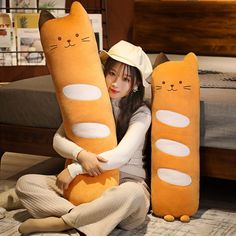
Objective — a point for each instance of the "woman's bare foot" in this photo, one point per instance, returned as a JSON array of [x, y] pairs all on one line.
[[49, 224], [9, 200]]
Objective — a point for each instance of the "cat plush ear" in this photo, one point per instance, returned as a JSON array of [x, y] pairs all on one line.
[[161, 58], [44, 16], [191, 59], [75, 9]]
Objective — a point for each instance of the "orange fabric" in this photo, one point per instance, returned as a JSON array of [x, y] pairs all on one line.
[[80, 64], [167, 198]]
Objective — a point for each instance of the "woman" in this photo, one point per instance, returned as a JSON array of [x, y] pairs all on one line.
[[126, 68]]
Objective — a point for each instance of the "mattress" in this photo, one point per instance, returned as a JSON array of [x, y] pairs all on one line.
[[30, 102], [218, 109]]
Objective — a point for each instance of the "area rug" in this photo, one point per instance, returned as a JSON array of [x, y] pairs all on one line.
[[207, 222], [216, 215]]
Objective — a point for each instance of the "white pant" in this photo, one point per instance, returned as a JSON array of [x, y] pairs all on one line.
[[125, 205]]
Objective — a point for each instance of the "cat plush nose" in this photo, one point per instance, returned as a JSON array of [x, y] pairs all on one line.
[[171, 85], [68, 40]]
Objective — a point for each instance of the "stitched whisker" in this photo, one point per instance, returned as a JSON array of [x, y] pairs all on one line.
[[53, 48], [86, 39]]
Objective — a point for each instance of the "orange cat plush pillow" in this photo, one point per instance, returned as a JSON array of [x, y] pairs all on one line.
[[175, 139], [73, 61]]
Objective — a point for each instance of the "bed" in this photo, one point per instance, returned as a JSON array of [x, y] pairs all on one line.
[[29, 114], [207, 28]]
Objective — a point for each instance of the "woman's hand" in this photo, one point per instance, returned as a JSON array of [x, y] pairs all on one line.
[[90, 162], [64, 179]]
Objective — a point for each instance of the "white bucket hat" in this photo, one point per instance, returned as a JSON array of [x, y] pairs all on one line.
[[131, 55]]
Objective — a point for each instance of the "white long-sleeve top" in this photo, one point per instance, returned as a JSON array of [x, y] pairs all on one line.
[[127, 155]]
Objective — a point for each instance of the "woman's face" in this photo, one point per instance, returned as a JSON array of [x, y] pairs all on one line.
[[118, 81]]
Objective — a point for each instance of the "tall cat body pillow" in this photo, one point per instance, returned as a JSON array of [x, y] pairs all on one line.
[[175, 139], [73, 61]]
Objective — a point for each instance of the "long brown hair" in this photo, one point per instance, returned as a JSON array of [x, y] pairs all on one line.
[[130, 103]]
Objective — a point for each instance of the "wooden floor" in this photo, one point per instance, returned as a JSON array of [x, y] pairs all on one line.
[[14, 165]]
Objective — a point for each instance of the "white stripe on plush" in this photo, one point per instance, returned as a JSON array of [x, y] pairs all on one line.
[[90, 130], [172, 118], [172, 147], [82, 92], [174, 177]]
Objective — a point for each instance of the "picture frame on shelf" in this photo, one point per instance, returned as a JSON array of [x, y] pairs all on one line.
[[56, 7], [29, 47], [7, 40], [26, 20], [3, 6], [23, 5]]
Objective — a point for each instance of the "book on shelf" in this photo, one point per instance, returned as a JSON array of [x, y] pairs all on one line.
[[26, 20], [23, 5], [2, 5], [5, 37], [5, 20], [29, 47], [56, 7], [7, 41]]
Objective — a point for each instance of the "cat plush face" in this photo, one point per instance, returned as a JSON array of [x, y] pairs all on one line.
[[181, 78], [65, 41], [177, 79], [65, 36]]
